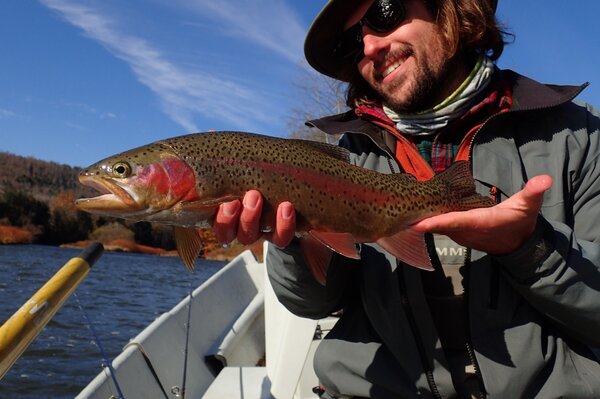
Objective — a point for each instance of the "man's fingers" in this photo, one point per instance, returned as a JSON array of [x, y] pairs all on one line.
[[226, 220], [448, 222], [241, 220], [285, 226], [248, 227]]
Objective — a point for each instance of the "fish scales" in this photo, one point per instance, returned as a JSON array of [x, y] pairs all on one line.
[[325, 191], [182, 180]]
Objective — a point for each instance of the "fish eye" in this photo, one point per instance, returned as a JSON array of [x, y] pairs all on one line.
[[121, 169]]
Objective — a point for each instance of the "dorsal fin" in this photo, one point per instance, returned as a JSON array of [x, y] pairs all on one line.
[[462, 186], [330, 149]]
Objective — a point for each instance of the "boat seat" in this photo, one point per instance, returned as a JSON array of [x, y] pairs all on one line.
[[240, 383], [244, 343]]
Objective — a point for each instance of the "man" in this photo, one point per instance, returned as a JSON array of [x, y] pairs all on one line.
[[516, 313]]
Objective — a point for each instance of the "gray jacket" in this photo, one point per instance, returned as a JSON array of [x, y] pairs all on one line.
[[532, 316]]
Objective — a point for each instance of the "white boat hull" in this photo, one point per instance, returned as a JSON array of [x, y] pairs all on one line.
[[236, 322]]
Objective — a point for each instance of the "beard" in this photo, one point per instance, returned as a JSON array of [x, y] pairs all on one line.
[[423, 89]]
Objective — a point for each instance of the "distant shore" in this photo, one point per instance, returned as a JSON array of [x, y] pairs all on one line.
[[16, 235]]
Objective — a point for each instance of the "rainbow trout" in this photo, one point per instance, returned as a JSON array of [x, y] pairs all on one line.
[[181, 181]]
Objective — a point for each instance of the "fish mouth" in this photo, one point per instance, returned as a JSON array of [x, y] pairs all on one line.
[[114, 199]]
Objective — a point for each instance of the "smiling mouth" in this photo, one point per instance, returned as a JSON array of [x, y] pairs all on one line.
[[387, 71], [390, 63]]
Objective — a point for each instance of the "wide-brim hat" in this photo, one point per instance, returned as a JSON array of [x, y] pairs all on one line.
[[322, 38]]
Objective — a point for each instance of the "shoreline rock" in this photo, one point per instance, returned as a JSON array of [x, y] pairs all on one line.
[[217, 254], [121, 245], [15, 235]]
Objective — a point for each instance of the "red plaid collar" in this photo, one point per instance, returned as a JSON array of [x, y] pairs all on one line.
[[444, 149]]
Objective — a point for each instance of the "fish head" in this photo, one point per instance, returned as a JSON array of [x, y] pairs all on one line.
[[138, 183]]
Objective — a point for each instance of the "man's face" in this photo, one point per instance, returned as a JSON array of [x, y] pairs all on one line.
[[409, 66]]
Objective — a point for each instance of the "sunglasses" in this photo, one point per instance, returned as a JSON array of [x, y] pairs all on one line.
[[382, 17]]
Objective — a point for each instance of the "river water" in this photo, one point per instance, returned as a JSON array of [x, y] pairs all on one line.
[[121, 295]]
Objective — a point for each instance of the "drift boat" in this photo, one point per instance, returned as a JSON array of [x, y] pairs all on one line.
[[230, 339]]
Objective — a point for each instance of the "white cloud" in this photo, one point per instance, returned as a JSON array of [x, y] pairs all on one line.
[[6, 113], [268, 23], [183, 92]]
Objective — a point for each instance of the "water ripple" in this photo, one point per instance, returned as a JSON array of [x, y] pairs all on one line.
[[122, 294]]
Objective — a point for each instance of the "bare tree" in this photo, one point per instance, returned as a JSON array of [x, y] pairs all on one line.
[[319, 96]]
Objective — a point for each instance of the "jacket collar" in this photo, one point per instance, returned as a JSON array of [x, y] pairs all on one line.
[[349, 122], [527, 94]]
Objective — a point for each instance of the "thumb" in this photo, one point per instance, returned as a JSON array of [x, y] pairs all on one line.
[[533, 192], [532, 195]]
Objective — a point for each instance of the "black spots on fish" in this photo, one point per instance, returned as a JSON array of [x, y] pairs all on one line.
[[321, 208], [287, 180], [347, 206], [437, 202], [251, 179]]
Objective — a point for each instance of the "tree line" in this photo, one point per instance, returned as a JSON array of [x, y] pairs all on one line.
[[58, 221], [38, 196]]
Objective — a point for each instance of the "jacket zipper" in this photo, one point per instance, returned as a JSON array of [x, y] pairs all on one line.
[[469, 346], [467, 262], [404, 301], [415, 332]]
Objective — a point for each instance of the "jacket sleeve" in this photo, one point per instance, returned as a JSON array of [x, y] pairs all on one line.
[[558, 269], [298, 290]]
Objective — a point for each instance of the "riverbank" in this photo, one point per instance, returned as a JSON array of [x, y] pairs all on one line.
[[216, 253], [15, 235], [121, 245], [11, 235]]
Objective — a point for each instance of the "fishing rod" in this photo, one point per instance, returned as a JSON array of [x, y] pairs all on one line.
[[177, 391], [105, 361], [187, 341], [18, 332]]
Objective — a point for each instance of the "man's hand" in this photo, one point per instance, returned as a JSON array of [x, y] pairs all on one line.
[[241, 220], [498, 230]]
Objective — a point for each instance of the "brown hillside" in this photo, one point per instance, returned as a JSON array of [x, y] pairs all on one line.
[[41, 179]]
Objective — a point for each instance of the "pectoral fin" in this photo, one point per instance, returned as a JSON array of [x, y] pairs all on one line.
[[207, 208], [317, 257], [317, 247], [408, 246], [188, 245], [342, 243]]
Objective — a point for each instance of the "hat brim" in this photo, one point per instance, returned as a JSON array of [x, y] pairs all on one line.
[[322, 38]]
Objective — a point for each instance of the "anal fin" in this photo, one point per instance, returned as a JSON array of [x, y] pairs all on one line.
[[188, 244], [408, 246]]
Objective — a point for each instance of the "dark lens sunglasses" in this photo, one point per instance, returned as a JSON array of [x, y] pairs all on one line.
[[382, 17]]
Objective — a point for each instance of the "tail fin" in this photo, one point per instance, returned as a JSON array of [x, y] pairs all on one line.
[[462, 187]]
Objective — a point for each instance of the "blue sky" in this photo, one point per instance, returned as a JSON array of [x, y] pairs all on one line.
[[81, 80]]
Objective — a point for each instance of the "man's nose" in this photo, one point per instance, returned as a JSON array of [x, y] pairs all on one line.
[[374, 43]]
